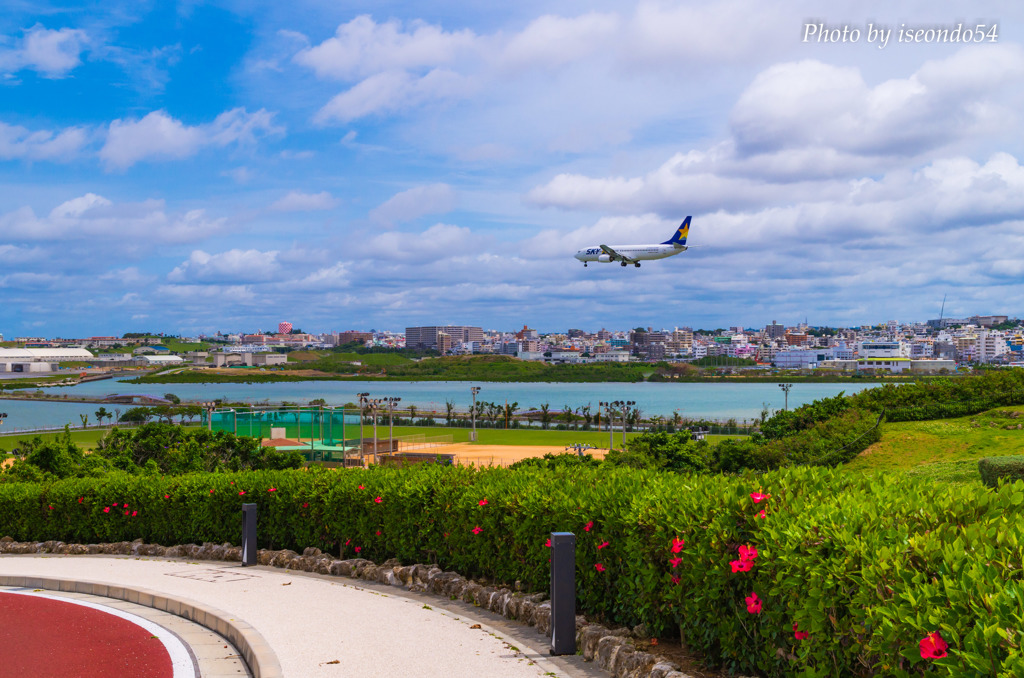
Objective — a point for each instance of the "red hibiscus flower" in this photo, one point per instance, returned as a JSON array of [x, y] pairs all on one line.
[[80, 499], [741, 565], [753, 604], [360, 488], [127, 512], [762, 514], [677, 544], [115, 503], [601, 546], [106, 509], [378, 533], [51, 508], [798, 634], [482, 502], [241, 492], [358, 549], [273, 489], [599, 567], [211, 492], [758, 497], [675, 579], [548, 542], [134, 513], [477, 530], [589, 526], [933, 646], [748, 552], [378, 500], [305, 504], [167, 496], [675, 561]]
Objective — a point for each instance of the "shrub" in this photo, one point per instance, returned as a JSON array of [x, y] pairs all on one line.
[[994, 468], [866, 565]]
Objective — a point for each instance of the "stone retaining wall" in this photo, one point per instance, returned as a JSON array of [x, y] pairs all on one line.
[[612, 649]]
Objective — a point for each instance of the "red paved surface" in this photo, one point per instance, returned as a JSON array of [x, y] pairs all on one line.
[[46, 638]]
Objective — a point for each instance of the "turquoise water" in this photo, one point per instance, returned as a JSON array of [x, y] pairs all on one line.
[[691, 400]]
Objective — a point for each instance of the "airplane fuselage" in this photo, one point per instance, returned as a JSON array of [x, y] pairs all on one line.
[[633, 252]]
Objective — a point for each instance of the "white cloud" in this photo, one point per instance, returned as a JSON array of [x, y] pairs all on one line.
[[414, 203], [52, 53], [362, 47], [158, 135], [296, 201], [19, 143], [439, 242], [392, 91], [550, 41], [232, 267], [95, 219]]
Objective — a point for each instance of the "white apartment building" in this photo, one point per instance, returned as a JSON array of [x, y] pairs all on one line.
[[883, 349]]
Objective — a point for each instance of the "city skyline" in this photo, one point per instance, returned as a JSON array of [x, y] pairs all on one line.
[[195, 167]]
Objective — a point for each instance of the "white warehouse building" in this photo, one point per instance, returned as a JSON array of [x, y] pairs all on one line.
[[39, 359]]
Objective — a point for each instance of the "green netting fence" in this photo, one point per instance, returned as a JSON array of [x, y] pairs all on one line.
[[331, 425]]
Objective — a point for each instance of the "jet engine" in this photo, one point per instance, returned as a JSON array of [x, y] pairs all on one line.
[[604, 258]]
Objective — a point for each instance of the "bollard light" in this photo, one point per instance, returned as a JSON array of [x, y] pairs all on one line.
[[563, 593]]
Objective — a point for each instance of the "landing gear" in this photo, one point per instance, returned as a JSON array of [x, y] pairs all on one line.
[[584, 264], [623, 263], [637, 265]]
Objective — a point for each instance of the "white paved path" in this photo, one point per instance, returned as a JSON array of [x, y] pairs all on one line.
[[311, 621]]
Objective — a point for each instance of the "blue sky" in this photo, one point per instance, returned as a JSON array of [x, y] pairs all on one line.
[[193, 167]]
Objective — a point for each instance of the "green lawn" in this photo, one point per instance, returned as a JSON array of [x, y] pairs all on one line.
[[490, 436], [86, 439], [945, 449]]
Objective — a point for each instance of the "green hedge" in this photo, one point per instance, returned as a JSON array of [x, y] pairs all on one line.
[[868, 566], [994, 468]]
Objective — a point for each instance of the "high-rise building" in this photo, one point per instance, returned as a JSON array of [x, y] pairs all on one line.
[[427, 337], [774, 331]]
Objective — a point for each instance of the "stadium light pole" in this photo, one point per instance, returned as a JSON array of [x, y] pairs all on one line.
[[362, 415], [474, 390], [391, 422], [785, 389], [373, 412], [608, 410], [625, 414]]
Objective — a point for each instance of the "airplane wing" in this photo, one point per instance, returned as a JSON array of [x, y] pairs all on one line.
[[615, 255]]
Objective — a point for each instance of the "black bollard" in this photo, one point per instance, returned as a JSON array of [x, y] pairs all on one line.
[[563, 593], [248, 534]]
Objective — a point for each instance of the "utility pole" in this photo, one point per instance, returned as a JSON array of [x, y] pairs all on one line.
[[785, 389]]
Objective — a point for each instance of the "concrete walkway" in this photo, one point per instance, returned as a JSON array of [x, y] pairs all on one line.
[[319, 626]]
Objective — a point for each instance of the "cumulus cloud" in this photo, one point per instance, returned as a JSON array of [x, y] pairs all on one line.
[[51, 53], [550, 40], [158, 135], [235, 266], [92, 216], [392, 91], [19, 143], [414, 203], [440, 241], [296, 201]]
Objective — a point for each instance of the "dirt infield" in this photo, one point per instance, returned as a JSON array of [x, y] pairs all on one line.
[[503, 455]]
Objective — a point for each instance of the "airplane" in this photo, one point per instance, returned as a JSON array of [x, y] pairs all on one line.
[[634, 254]]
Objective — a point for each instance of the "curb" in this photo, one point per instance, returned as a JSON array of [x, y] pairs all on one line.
[[258, 655]]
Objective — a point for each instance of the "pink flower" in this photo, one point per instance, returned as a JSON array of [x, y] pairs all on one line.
[[748, 552], [601, 546], [124, 505], [134, 513], [588, 526], [167, 496], [477, 530], [762, 514], [347, 542], [106, 509], [741, 565], [81, 499], [675, 561], [232, 482], [378, 533], [377, 500], [798, 634], [933, 646], [305, 504], [127, 512], [675, 579], [758, 497], [51, 508], [482, 502], [360, 488], [358, 549], [753, 604], [211, 492], [677, 544], [548, 542], [241, 492], [115, 503], [273, 489], [599, 567]]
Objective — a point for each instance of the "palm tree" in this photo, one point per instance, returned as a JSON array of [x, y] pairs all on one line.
[[449, 415], [412, 415], [567, 415], [101, 414], [587, 417], [545, 416]]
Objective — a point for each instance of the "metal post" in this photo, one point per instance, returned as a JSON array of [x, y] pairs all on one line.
[[563, 593], [362, 415], [785, 389], [248, 534], [373, 413], [474, 390]]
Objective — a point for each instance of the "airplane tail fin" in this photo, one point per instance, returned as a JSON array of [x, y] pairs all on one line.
[[679, 237]]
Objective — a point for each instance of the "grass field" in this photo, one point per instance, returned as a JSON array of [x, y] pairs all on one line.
[[945, 449], [86, 439]]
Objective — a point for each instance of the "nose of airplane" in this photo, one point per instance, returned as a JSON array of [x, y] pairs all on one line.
[[579, 255]]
